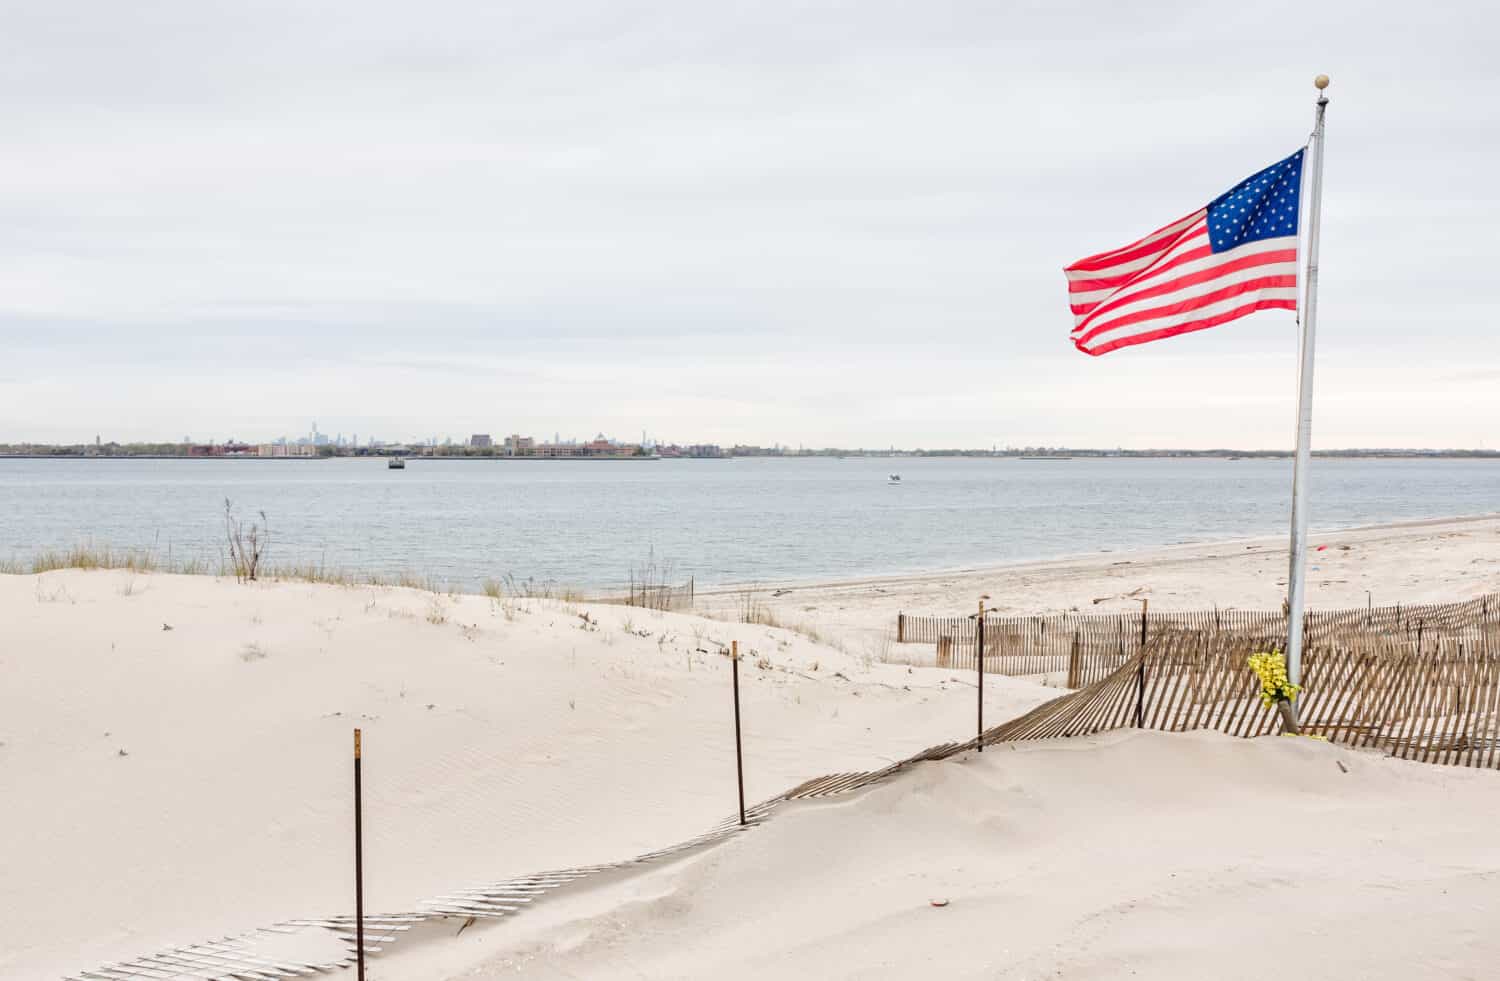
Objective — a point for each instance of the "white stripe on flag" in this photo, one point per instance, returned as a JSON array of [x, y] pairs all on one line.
[[1130, 299], [1201, 313]]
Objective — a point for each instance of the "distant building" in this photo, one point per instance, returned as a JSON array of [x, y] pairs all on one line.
[[597, 448], [282, 449], [230, 448], [481, 441], [696, 450]]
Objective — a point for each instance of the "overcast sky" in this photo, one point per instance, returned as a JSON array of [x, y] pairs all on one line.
[[828, 224]]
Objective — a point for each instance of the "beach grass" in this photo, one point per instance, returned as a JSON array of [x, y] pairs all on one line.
[[752, 609], [84, 557], [96, 557]]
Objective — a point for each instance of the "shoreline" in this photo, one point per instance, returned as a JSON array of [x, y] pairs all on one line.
[[718, 597], [1454, 453], [1424, 560], [255, 457], [1143, 553]]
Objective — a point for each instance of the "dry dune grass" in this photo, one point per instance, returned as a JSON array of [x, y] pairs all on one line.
[[90, 557]]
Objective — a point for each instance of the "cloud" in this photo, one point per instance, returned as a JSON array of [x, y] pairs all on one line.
[[807, 223]]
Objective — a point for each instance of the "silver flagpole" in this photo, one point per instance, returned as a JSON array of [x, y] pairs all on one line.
[[1297, 579]]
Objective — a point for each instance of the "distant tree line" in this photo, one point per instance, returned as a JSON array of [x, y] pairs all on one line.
[[95, 449]]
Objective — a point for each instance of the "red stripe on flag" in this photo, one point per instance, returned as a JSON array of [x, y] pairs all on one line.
[[1192, 325], [1140, 275], [1103, 263], [1101, 282], [1124, 279], [1135, 250], [1193, 279], [1195, 303]]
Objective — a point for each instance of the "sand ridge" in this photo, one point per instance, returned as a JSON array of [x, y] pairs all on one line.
[[1126, 854], [180, 746]]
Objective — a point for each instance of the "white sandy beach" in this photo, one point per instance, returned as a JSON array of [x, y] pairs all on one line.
[[1413, 562], [165, 786]]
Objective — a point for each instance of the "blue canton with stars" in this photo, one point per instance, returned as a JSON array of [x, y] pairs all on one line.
[[1263, 205]]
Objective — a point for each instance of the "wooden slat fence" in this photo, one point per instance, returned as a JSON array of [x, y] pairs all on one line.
[[1089, 647], [660, 595], [1437, 701]]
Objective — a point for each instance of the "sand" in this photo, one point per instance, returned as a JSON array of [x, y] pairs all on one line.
[[165, 786], [1412, 562], [1152, 855], [169, 785]]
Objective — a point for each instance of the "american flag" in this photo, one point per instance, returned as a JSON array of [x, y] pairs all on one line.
[[1229, 259]]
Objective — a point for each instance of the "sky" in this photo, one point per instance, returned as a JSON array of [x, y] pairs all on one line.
[[820, 224]]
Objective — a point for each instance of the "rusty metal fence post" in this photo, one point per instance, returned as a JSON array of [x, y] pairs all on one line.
[[739, 757], [359, 865], [979, 659]]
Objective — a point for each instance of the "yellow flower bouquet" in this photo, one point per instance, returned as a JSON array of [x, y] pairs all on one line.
[[1275, 687]]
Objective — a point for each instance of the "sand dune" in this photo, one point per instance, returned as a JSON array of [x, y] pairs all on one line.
[[169, 785], [1127, 855]]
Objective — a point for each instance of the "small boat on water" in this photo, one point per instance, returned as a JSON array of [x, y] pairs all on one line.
[[395, 463], [894, 478]]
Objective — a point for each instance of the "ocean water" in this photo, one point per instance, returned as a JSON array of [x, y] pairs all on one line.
[[588, 524]]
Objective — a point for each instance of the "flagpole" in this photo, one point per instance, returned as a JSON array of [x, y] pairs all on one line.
[[1297, 578]]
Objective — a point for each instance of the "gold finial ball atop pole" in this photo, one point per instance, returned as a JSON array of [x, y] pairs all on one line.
[[1321, 82]]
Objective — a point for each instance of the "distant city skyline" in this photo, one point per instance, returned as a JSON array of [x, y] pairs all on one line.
[[499, 444], [831, 225]]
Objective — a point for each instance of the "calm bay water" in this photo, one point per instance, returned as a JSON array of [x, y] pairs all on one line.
[[744, 520]]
